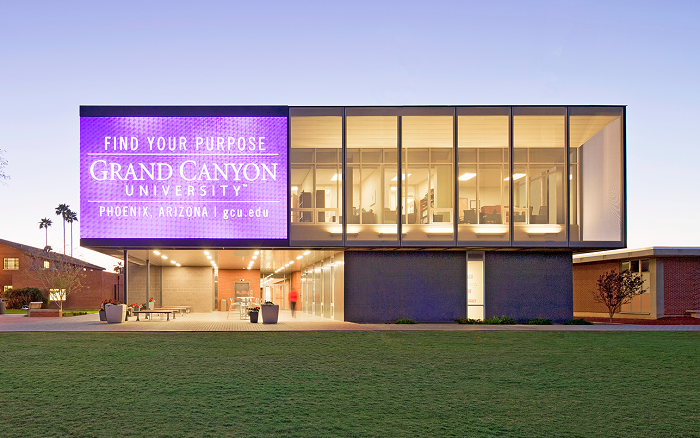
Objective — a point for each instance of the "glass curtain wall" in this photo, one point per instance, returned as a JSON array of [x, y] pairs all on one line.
[[316, 176], [483, 137], [596, 169], [427, 176], [539, 176], [371, 167]]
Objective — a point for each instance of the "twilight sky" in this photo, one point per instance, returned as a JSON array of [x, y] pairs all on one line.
[[55, 56]]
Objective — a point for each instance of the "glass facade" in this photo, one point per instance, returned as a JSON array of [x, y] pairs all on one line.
[[469, 177]]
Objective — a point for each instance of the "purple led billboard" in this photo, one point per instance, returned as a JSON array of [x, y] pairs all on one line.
[[183, 177]]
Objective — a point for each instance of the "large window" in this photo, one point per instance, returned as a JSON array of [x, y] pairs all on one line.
[[539, 176], [371, 166], [483, 153], [427, 177], [11, 263], [596, 170], [316, 176]]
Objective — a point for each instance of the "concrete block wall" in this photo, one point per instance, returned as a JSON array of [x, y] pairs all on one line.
[[528, 284], [189, 286], [383, 286]]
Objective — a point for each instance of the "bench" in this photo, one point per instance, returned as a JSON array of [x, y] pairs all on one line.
[[693, 313], [174, 309], [149, 312], [181, 309]]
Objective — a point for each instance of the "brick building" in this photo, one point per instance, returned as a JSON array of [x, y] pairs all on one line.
[[672, 281], [19, 260]]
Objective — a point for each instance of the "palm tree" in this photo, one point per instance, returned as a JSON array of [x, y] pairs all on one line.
[[45, 223], [71, 217], [62, 210]]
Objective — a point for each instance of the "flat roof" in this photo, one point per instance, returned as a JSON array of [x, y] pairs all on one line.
[[651, 251]]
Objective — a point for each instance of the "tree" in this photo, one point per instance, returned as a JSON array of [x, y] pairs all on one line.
[[71, 217], [61, 277], [615, 289], [45, 223], [62, 210], [3, 162]]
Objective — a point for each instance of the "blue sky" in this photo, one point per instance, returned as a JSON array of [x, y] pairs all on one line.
[[55, 56]]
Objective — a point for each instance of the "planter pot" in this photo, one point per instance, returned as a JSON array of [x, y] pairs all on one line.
[[254, 317], [151, 305], [270, 313], [115, 314], [102, 315]]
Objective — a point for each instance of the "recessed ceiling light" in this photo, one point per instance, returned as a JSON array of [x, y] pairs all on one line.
[[467, 176], [156, 253], [299, 257], [307, 252], [337, 177], [177, 264], [173, 261], [206, 252], [164, 256], [403, 177], [209, 257], [516, 176], [291, 263], [255, 257], [256, 252]]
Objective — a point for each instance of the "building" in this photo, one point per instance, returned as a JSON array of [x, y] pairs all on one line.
[[370, 213], [671, 281], [21, 262]]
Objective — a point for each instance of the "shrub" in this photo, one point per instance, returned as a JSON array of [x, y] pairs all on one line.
[[580, 321], [468, 321], [405, 321], [16, 298], [540, 321]]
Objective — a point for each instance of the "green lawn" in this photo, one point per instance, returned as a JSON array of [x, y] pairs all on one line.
[[383, 384]]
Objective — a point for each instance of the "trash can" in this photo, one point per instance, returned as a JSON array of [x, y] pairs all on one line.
[[2, 306], [223, 305]]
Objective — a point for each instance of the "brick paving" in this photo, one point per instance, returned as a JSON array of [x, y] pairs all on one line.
[[218, 322]]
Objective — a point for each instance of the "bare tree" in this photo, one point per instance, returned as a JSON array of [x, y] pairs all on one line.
[[58, 274], [3, 162], [615, 289], [45, 223]]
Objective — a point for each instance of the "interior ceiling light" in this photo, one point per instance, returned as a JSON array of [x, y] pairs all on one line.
[[209, 257], [255, 257], [173, 261], [206, 252], [291, 263], [248, 267], [337, 177], [256, 252], [403, 177], [177, 264], [156, 253], [516, 176], [307, 252], [164, 256], [299, 257], [393, 188], [467, 176], [295, 188]]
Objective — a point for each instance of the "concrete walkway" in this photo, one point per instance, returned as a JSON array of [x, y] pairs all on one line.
[[218, 322]]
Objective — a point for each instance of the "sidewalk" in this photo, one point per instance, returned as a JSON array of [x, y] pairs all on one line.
[[218, 322]]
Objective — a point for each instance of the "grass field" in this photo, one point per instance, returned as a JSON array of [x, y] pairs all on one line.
[[383, 384]]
